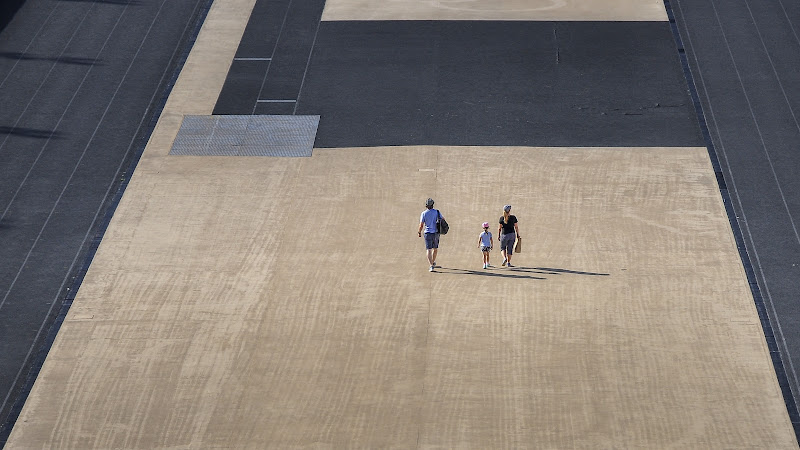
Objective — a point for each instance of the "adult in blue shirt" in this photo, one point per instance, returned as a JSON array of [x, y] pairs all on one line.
[[428, 221]]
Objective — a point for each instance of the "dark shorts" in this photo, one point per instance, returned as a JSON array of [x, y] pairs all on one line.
[[507, 242], [431, 240], [485, 248]]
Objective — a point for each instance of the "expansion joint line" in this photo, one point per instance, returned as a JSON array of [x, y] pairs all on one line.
[[308, 63], [427, 327]]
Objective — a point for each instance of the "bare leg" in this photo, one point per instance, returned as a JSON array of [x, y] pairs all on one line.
[[431, 255], [435, 251]]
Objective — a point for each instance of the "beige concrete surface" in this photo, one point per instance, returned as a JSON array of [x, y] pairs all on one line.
[[603, 10], [286, 303], [246, 302]]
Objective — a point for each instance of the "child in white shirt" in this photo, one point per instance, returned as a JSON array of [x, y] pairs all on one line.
[[485, 244]]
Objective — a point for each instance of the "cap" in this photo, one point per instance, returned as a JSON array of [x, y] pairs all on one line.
[[429, 202], [485, 224], [507, 208]]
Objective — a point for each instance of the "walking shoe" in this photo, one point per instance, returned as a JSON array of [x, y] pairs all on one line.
[[504, 263], [509, 265], [431, 269], [485, 266]]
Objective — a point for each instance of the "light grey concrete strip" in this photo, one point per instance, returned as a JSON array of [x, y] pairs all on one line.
[[604, 10]]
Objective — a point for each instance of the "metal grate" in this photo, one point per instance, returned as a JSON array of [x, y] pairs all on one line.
[[259, 135]]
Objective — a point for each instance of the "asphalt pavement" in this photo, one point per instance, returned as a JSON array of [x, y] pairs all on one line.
[[744, 57], [80, 86]]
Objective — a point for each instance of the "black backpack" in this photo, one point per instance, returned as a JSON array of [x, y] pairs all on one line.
[[441, 225]]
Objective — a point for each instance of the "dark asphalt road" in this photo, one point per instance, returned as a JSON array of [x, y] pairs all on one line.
[[80, 82], [745, 57]]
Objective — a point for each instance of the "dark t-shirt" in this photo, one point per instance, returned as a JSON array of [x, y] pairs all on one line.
[[508, 228]]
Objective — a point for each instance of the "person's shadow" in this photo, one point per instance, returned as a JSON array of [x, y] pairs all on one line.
[[31, 132], [518, 272]]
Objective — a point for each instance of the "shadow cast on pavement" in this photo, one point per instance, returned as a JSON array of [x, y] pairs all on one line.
[[31, 132], [61, 59], [517, 272]]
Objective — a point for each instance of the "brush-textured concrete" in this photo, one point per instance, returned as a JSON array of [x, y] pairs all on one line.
[[244, 302]]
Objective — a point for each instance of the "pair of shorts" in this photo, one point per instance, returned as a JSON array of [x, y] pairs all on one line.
[[507, 242], [485, 248], [431, 240]]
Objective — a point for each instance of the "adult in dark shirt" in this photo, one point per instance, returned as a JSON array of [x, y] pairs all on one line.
[[507, 233]]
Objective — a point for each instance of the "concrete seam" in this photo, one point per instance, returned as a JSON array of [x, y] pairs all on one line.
[[308, 63], [269, 66]]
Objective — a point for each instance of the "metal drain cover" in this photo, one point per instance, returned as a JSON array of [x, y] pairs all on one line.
[[260, 135]]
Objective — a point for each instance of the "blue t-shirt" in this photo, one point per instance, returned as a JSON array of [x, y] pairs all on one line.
[[429, 218]]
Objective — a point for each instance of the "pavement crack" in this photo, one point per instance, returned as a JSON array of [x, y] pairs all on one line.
[[558, 49]]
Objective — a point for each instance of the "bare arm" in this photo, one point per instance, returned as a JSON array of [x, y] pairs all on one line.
[[419, 231], [516, 229]]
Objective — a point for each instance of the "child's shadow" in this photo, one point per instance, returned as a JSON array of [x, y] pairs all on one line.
[[507, 273], [553, 271], [517, 272]]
